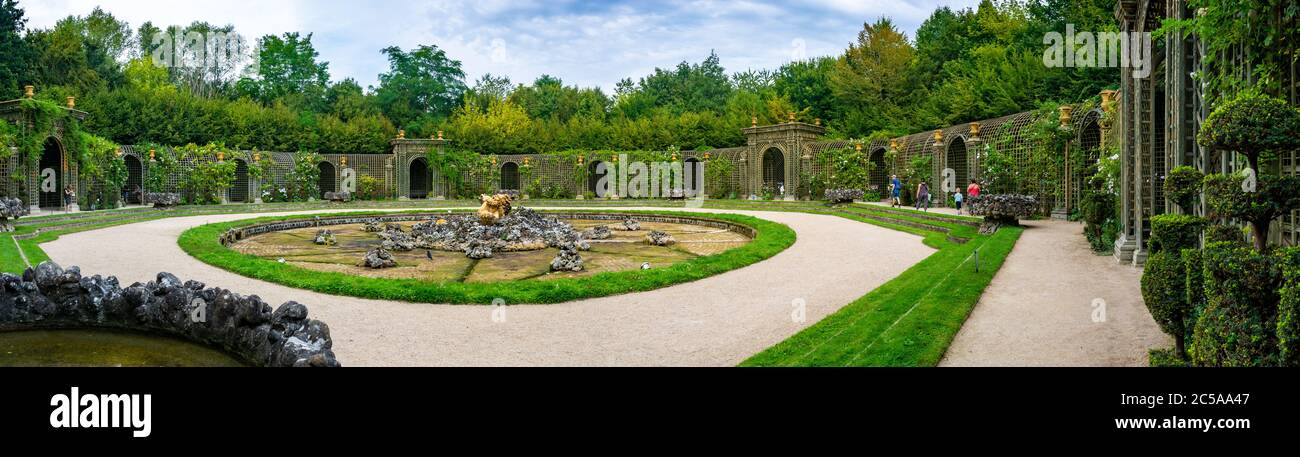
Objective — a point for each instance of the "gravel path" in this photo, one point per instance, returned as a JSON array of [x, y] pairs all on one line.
[[719, 320], [1039, 309]]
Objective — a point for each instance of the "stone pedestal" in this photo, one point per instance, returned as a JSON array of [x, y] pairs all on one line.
[[403, 199], [439, 198], [257, 201], [1124, 249], [789, 198]]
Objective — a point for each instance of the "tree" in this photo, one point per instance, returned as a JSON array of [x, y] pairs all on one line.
[[421, 83], [346, 100], [18, 54], [1254, 125], [686, 88], [287, 69], [870, 79], [806, 84]]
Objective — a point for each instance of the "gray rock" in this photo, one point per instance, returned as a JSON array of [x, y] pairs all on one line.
[[11, 208], [631, 225]]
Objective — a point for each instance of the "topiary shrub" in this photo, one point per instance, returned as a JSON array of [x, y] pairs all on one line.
[[1273, 197], [1002, 209], [1195, 285], [1252, 124], [1238, 326], [1164, 290], [1098, 208], [1223, 233], [1175, 232], [1183, 186], [1288, 312]]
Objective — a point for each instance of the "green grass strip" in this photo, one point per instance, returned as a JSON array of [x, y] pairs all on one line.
[[202, 243], [908, 321]]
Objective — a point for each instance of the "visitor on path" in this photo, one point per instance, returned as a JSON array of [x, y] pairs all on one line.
[[956, 197], [896, 188], [923, 196], [973, 190], [68, 196]]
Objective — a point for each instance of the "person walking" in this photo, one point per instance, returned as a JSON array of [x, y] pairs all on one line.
[[956, 197], [896, 188], [923, 196], [973, 190]]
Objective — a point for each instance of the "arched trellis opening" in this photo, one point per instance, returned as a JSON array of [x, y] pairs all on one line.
[[509, 176], [693, 176], [239, 189], [134, 186], [959, 161], [49, 178], [327, 178], [879, 179], [773, 170], [421, 180], [1089, 146]]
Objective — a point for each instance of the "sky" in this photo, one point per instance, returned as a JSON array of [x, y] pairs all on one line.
[[584, 43]]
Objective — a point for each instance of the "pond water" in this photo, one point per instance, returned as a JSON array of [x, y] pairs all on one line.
[[104, 348]]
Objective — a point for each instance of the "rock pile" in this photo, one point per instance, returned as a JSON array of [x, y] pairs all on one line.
[[521, 230], [48, 296], [568, 259], [162, 199], [378, 258], [1002, 210], [600, 232], [325, 238], [658, 238], [11, 208], [630, 225]]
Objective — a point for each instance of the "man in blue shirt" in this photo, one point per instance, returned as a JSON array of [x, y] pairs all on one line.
[[897, 188]]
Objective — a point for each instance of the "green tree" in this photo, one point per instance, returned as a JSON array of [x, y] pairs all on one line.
[[423, 83], [870, 80], [18, 54], [288, 69]]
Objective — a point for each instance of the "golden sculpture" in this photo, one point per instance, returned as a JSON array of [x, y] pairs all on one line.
[[494, 208], [29, 91]]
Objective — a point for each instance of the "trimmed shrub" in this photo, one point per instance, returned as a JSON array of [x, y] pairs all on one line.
[[1221, 233], [1098, 208], [1252, 124], [1273, 197], [1164, 290], [1175, 232], [1183, 186], [1288, 313], [1239, 324], [1195, 283]]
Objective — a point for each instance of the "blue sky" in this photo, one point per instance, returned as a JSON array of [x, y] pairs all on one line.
[[588, 43]]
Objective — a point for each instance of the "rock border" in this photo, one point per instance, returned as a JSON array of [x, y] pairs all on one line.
[[50, 297]]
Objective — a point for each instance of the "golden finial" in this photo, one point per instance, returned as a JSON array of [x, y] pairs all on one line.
[[753, 120], [817, 122], [1107, 97], [29, 91], [343, 161], [118, 152], [72, 102], [791, 117], [858, 147], [440, 134], [257, 156], [707, 156], [975, 129], [401, 134], [893, 145], [1065, 115], [221, 156], [938, 138], [614, 158], [580, 159], [526, 162], [151, 154], [674, 158]]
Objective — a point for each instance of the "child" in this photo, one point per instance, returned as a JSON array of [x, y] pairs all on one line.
[[897, 189], [957, 198]]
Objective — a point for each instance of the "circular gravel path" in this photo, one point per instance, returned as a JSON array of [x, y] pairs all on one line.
[[717, 321]]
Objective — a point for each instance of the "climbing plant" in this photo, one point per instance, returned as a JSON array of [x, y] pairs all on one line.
[[210, 175], [845, 168], [104, 170], [303, 181]]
